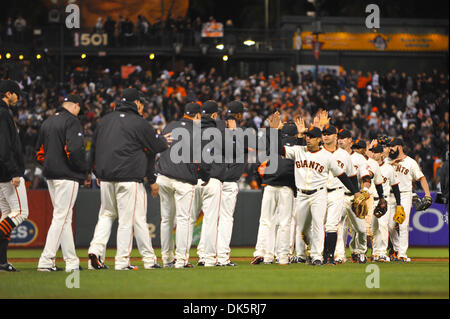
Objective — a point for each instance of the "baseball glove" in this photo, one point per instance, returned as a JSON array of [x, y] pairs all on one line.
[[381, 208], [417, 203], [399, 215], [360, 207], [426, 202]]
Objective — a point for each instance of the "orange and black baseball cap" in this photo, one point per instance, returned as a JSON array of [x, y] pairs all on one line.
[[344, 133], [192, 108], [329, 130], [313, 132], [289, 129], [396, 141], [377, 148], [359, 144]]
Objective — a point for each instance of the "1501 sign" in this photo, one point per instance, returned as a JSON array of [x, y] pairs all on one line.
[[90, 39]]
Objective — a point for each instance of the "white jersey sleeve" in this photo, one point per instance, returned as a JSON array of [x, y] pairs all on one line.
[[335, 167], [289, 152], [416, 172]]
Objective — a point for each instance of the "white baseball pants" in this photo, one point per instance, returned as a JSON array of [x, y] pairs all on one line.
[[109, 212], [276, 210], [380, 233], [14, 202], [339, 253], [209, 199], [400, 238], [63, 194], [334, 210], [177, 200], [358, 243], [311, 210], [228, 204], [296, 241]]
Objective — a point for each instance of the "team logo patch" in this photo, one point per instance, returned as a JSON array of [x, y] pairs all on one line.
[[24, 234]]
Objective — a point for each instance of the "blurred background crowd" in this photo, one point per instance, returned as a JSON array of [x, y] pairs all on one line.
[[412, 106]]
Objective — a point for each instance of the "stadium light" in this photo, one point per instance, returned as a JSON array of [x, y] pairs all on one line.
[[38, 56], [151, 56], [225, 58], [220, 46], [8, 55], [83, 56], [21, 57], [0, 56], [311, 13], [249, 42]]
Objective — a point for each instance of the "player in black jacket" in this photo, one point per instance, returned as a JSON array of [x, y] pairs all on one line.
[[60, 148], [277, 206], [13, 196], [122, 143], [177, 176]]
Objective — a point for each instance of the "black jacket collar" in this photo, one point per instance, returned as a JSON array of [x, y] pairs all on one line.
[[127, 107]]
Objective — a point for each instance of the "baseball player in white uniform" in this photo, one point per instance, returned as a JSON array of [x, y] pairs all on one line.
[[380, 225], [277, 207], [13, 194], [408, 172], [312, 167], [348, 216], [335, 190]]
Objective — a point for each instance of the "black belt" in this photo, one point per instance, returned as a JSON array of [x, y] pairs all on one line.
[[309, 192], [348, 194], [333, 189]]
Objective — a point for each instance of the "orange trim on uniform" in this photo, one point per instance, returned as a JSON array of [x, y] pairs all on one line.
[[188, 117], [18, 199], [67, 214], [130, 245], [40, 155], [8, 226], [262, 168], [2, 228], [67, 152]]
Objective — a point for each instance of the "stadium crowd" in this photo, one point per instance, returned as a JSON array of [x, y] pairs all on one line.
[[412, 106]]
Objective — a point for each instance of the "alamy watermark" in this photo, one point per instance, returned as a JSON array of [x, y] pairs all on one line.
[[373, 280], [73, 17], [212, 145], [73, 280], [373, 19]]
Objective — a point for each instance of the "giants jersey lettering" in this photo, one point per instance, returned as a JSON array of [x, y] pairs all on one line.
[[312, 168], [377, 177], [361, 166], [344, 161], [390, 177], [408, 171]]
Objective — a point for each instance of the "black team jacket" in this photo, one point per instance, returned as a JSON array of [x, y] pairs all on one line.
[[60, 147], [122, 145], [12, 163]]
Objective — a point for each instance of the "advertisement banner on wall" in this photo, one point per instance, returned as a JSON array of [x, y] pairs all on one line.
[[33, 231], [376, 41]]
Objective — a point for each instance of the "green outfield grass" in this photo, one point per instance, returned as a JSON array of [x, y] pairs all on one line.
[[419, 279]]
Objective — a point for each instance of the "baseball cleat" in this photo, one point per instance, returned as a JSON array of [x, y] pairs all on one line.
[[404, 259], [188, 265], [382, 259], [229, 264], [257, 260], [74, 269], [154, 266], [293, 259], [339, 261], [201, 263], [96, 262], [330, 262], [362, 259], [8, 267], [316, 262], [268, 262], [169, 265], [394, 256], [48, 269], [355, 258], [301, 260], [129, 267]]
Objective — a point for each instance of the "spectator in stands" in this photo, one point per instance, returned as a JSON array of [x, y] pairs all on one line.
[[110, 28]]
